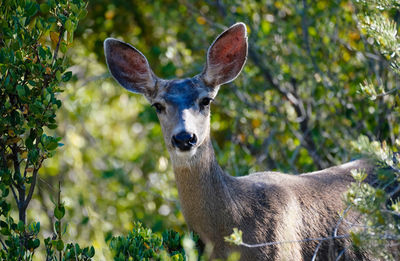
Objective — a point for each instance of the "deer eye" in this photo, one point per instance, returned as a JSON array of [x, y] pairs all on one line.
[[158, 106], [205, 102]]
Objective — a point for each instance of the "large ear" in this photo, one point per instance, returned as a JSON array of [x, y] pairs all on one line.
[[226, 56], [129, 67]]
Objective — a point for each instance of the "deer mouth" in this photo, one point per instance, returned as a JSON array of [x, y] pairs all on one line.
[[186, 153]]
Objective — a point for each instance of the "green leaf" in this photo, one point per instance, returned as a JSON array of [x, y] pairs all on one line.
[[91, 252], [31, 9], [36, 243], [44, 8], [65, 229], [67, 76], [63, 47], [42, 52], [33, 155], [59, 212], [52, 145], [58, 75], [20, 90], [5, 231], [30, 139], [5, 192], [52, 126], [60, 245], [77, 249], [37, 227], [68, 25], [83, 13]]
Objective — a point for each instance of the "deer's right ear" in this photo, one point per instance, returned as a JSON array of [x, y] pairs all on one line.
[[129, 67]]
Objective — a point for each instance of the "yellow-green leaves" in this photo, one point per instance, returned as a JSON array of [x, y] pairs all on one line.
[[235, 237], [359, 175]]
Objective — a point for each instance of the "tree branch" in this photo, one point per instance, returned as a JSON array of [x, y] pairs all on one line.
[[61, 34], [14, 193], [4, 246], [316, 251], [33, 184]]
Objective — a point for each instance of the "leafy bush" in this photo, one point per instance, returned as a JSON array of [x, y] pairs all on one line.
[[379, 204], [142, 244], [34, 39]]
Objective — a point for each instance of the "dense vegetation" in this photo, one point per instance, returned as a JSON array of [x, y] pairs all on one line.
[[319, 75]]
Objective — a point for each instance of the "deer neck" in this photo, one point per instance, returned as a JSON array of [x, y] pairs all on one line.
[[203, 189]]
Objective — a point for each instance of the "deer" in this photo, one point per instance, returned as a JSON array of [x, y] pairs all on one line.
[[265, 206]]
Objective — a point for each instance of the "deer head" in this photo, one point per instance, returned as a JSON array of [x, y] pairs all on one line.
[[182, 105]]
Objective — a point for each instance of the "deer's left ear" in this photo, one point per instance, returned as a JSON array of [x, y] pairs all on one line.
[[226, 56]]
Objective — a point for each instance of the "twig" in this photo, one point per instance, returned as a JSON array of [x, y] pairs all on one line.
[[59, 221], [14, 194], [4, 246], [53, 190], [340, 254], [391, 212], [43, 203], [62, 30], [17, 170], [360, 225], [395, 191], [295, 241], [316, 250], [340, 220], [388, 92], [32, 187]]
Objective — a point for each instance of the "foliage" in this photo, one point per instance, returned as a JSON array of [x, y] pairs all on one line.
[[31, 73], [142, 244], [379, 204], [296, 106]]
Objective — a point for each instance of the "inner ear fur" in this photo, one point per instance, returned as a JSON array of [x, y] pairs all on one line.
[[226, 56]]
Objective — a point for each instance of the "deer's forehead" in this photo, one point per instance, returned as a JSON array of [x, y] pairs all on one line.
[[183, 92]]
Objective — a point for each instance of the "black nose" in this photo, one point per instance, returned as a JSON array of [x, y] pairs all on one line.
[[184, 140]]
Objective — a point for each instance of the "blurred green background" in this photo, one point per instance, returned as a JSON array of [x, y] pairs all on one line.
[[294, 108]]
